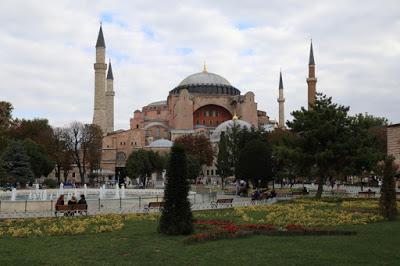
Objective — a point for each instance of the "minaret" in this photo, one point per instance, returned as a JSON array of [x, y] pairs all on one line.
[[100, 68], [311, 80], [281, 101], [109, 110]]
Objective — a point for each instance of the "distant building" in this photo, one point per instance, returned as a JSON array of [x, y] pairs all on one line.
[[393, 142], [202, 103]]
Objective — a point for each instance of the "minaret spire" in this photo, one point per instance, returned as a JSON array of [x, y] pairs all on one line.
[[110, 73], [100, 38], [311, 80], [281, 102], [280, 80], [311, 60]]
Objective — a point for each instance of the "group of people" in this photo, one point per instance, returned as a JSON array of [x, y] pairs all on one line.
[[73, 201]]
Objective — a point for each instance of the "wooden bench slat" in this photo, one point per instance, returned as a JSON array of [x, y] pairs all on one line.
[[79, 208]]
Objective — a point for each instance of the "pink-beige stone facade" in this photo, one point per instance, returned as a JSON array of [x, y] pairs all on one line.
[[189, 109], [393, 142]]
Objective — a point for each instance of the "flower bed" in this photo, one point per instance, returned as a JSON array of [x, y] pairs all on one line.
[[222, 229], [308, 212], [67, 225]]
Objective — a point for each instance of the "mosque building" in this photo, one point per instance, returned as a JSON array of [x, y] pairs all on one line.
[[202, 103]]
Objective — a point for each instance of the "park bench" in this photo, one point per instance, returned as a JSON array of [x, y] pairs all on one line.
[[367, 194], [223, 202], [70, 210], [154, 205]]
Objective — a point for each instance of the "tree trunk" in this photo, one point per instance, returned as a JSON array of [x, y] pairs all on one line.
[[65, 175], [320, 187], [58, 173]]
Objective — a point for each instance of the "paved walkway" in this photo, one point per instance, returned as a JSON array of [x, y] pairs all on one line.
[[237, 202]]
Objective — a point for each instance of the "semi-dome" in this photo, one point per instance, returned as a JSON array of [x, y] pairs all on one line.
[[206, 83], [161, 143], [223, 127], [204, 77]]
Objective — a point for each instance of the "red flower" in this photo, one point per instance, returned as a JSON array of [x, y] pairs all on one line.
[[231, 228], [295, 227], [263, 227]]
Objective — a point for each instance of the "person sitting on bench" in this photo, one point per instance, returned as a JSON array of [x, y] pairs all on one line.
[[60, 200], [82, 200], [71, 203]]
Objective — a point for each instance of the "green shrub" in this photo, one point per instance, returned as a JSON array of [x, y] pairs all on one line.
[[50, 183], [176, 217]]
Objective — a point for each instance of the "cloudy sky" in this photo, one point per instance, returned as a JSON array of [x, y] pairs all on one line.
[[47, 52]]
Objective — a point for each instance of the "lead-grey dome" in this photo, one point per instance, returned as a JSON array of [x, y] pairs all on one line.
[[223, 127], [206, 83], [161, 143], [204, 78]]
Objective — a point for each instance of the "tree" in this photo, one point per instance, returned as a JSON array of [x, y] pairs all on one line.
[[5, 123], [176, 216], [37, 130], [92, 146], [16, 164], [255, 163], [322, 133], [141, 164], [85, 143], [388, 191], [62, 155], [233, 144], [5, 115], [40, 162], [283, 166], [197, 146], [224, 165], [193, 167], [3, 173], [74, 139], [366, 144]]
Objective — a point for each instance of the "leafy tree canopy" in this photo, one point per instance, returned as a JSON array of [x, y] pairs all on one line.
[[16, 164], [255, 163], [142, 163], [40, 162], [197, 146]]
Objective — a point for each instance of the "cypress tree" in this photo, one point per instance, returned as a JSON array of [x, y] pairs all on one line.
[[388, 191], [176, 217], [223, 163]]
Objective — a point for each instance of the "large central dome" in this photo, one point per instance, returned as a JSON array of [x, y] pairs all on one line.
[[206, 83], [204, 78]]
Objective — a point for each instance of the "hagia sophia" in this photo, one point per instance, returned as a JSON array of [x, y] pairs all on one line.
[[202, 103]]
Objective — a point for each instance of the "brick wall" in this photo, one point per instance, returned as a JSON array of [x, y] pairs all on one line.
[[393, 141]]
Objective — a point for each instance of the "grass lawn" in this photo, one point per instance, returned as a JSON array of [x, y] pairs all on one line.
[[138, 243]]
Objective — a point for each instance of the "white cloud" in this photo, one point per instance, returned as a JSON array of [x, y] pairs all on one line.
[[47, 52]]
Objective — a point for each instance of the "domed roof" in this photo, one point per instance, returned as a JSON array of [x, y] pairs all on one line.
[[161, 143], [223, 127], [268, 127], [204, 77]]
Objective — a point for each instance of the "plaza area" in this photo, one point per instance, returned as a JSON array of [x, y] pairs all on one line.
[[340, 232]]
